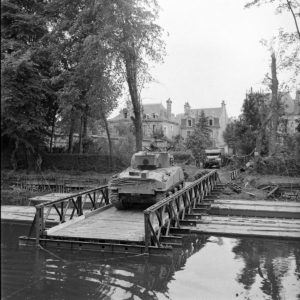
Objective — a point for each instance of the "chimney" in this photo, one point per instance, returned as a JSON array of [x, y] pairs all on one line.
[[187, 108], [169, 108], [223, 104]]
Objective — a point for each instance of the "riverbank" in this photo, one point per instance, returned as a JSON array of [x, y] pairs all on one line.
[[18, 186], [16, 190]]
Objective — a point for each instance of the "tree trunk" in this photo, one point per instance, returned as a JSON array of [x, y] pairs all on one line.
[[111, 165], [294, 17], [274, 107], [80, 135], [13, 158], [52, 134], [84, 134], [71, 132], [131, 75]]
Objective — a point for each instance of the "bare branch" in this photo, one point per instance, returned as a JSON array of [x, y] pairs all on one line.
[[292, 11]]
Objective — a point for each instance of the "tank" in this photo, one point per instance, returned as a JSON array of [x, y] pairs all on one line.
[[149, 179]]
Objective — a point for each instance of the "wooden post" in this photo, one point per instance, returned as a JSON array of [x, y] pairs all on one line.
[[147, 233], [40, 226], [79, 205], [62, 218]]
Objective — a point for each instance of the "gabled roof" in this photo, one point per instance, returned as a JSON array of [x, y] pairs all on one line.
[[155, 108], [147, 109], [209, 112]]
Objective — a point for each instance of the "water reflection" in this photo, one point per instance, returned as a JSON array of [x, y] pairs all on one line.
[[247, 267], [269, 263]]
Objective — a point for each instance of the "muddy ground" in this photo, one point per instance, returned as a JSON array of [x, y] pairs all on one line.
[[252, 185]]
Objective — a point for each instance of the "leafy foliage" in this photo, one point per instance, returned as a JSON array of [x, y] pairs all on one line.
[[250, 130], [286, 44], [200, 139], [27, 96]]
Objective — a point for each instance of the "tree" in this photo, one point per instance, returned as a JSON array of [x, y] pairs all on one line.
[[28, 99], [275, 106], [250, 130], [94, 85], [126, 29], [200, 139], [256, 115], [136, 39], [288, 43]]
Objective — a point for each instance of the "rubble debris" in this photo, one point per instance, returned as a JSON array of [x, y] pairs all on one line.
[[273, 191], [236, 188], [251, 194], [266, 187]]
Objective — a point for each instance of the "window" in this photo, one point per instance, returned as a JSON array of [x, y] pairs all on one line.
[[125, 114], [188, 133], [189, 123], [210, 122], [153, 126]]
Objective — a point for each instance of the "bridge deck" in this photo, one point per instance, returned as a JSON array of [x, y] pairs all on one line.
[[108, 224], [245, 226], [256, 208]]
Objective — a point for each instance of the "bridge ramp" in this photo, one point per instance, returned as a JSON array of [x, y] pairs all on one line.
[[108, 224]]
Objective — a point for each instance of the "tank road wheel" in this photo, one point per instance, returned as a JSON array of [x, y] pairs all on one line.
[[115, 200], [119, 201]]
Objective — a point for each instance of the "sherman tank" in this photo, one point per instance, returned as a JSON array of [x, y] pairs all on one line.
[[149, 179]]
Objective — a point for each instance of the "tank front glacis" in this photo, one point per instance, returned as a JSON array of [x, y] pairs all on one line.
[[148, 180]]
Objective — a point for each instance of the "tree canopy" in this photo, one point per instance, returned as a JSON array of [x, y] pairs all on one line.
[[200, 139], [65, 64]]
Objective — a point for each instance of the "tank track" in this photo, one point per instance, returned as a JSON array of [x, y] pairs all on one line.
[[116, 201]]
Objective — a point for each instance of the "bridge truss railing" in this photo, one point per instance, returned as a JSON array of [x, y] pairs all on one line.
[[66, 208], [161, 217]]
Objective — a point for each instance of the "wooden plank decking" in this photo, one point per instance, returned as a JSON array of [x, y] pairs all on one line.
[[25, 214], [22, 214], [49, 197], [244, 226], [108, 224], [256, 208]]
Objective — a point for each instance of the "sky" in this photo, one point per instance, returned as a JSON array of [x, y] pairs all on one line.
[[213, 53]]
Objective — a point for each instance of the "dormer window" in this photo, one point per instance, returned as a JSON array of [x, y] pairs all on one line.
[[153, 115]]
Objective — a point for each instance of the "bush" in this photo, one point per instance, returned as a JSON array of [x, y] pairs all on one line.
[[80, 162], [181, 157], [278, 165]]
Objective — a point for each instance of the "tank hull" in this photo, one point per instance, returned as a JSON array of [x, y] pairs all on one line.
[[133, 186]]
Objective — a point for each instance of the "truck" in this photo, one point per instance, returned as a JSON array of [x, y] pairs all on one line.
[[213, 158]]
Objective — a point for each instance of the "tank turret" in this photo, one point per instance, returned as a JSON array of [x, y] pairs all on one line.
[[151, 176]]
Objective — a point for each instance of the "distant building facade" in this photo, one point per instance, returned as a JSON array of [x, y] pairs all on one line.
[[291, 112], [217, 121], [157, 120]]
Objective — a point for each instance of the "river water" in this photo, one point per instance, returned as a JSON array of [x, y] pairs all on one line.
[[207, 267]]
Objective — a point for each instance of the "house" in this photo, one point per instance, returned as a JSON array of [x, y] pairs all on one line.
[[217, 120], [291, 112], [157, 121]]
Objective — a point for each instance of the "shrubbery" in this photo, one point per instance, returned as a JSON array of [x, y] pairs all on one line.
[[181, 157]]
